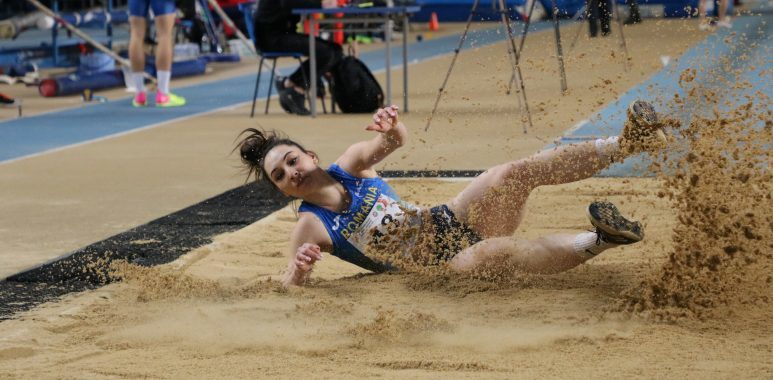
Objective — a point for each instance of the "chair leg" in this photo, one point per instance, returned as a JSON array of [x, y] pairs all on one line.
[[257, 83], [324, 108], [308, 85], [270, 85], [332, 95]]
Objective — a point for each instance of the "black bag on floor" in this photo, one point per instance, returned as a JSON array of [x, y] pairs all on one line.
[[354, 88]]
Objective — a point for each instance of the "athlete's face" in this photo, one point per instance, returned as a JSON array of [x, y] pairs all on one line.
[[291, 170]]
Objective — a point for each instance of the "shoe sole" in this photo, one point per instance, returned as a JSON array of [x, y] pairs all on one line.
[[644, 115], [606, 217], [167, 105]]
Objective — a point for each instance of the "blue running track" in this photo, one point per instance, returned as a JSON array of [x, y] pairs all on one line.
[[33, 135], [747, 46]]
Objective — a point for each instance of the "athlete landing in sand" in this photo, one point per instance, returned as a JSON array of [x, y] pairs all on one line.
[[347, 206]]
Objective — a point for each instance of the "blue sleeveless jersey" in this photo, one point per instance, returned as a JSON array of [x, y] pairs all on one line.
[[374, 205]]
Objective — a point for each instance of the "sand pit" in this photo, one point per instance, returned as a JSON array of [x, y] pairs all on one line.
[[635, 311], [216, 314]]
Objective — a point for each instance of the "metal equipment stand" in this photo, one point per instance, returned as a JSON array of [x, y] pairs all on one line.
[[512, 51]]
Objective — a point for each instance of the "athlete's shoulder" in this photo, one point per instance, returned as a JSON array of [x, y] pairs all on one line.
[[312, 229], [341, 169]]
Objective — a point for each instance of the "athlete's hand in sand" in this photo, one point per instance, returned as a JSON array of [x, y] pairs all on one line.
[[306, 256], [384, 120]]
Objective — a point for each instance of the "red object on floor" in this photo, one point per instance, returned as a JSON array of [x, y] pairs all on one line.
[[48, 88], [433, 22], [5, 99]]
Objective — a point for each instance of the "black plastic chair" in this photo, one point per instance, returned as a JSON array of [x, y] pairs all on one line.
[[249, 10]]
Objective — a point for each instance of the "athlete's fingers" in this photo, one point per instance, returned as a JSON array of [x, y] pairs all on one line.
[[378, 126], [315, 253], [302, 266], [306, 253], [307, 257], [312, 256]]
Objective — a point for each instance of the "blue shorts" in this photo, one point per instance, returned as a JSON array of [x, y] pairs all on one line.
[[451, 235], [140, 8]]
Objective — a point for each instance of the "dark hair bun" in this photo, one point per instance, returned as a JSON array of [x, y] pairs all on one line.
[[252, 147]]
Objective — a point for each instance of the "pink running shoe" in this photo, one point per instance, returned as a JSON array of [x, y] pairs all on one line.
[[140, 100], [169, 100]]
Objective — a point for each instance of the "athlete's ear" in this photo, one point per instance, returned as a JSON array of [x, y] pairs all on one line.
[[313, 156]]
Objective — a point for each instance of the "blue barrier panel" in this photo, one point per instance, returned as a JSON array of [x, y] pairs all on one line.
[[459, 10]]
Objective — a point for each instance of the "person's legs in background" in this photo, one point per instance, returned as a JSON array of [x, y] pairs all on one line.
[[138, 10], [723, 20], [605, 13], [634, 17], [165, 12], [592, 12], [707, 23], [704, 21]]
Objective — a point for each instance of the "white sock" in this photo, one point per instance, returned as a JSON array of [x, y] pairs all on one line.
[[588, 245], [163, 81], [606, 147], [138, 79]]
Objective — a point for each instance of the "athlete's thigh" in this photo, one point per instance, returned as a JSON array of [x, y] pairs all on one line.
[[163, 7], [494, 202]]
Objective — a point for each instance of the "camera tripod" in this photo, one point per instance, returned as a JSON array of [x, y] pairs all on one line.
[[584, 11], [559, 49], [513, 54]]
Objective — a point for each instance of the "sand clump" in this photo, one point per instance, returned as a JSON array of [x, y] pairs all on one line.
[[719, 182], [149, 284], [389, 326]]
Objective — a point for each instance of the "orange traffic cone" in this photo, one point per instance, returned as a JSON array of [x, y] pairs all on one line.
[[433, 23], [338, 34]]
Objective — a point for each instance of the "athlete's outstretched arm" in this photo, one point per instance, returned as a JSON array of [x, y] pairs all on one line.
[[307, 242], [392, 134]]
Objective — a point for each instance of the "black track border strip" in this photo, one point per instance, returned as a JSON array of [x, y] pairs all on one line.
[[430, 173], [164, 240]]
